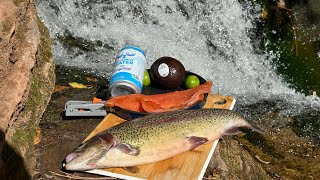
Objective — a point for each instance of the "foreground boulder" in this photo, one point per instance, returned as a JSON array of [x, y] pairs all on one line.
[[231, 161], [26, 83]]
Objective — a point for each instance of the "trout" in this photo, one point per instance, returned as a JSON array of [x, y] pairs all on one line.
[[154, 137]]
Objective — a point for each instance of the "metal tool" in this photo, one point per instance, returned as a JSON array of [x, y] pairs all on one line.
[[84, 108]]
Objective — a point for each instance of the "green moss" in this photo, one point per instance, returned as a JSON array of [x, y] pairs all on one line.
[[264, 144], [18, 2], [41, 87], [240, 164], [298, 159], [83, 45], [22, 141], [20, 32], [40, 92], [6, 26], [45, 43], [24, 133]]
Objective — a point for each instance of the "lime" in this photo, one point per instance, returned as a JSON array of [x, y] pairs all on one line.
[[146, 79], [191, 81]]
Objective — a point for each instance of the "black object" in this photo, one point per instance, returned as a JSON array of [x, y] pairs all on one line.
[[103, 92], [167, 72]]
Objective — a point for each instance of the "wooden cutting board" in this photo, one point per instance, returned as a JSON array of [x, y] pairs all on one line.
[[189, 165]]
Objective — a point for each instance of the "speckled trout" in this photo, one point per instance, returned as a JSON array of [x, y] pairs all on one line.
[[153, 138]]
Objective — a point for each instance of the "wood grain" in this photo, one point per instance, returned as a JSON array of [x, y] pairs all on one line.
[[189, 165]]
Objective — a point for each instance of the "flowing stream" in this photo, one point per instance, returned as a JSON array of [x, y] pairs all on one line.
[[212, 38]]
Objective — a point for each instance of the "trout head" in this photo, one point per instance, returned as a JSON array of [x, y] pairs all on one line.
[[87, 155]]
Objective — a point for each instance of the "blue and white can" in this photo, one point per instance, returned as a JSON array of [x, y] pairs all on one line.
[[128, 72]]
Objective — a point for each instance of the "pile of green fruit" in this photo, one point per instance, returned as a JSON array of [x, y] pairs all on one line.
[[169, 73]]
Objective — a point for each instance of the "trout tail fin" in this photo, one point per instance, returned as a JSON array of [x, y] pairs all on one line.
[[242, 127], [255, 128]]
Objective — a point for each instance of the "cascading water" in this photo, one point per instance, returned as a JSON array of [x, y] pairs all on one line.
[[211, 38]]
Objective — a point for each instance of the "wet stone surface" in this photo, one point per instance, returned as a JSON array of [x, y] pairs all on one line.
[[286, 150], [59, 135]]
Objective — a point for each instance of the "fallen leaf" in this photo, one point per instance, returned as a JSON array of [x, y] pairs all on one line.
[[37, 137], [77, 85], [60, 88]]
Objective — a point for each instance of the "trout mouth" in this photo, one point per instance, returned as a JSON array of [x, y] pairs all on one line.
[[70, 163], [70, 157], [88, 154], [67, 164], [74, 161]]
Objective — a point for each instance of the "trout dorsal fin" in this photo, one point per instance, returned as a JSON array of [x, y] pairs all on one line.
[[195, 141], [128, 149]]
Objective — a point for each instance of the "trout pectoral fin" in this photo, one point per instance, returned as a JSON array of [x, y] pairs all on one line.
[[195, 141], [128, 149], [133, 169]]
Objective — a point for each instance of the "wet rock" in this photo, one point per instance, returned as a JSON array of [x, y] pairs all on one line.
[[232, 161], [307, 13], [26, 79]]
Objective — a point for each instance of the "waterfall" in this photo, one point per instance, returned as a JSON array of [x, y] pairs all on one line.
[[211, 38]]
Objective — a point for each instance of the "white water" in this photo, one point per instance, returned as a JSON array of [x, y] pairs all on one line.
[[209, 37]]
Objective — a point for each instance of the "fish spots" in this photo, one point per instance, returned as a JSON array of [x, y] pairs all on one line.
[[171, 118], [147, 137], [178, 123]]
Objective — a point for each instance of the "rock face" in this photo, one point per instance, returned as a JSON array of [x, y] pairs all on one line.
[[231, 161], [26, 83]]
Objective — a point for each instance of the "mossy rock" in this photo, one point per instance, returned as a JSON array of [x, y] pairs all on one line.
[[17, 152], [232, 161]]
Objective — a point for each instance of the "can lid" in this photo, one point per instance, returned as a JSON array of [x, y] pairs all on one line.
[[133, 47]]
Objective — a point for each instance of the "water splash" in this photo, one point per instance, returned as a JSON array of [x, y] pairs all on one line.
[[210, 38]]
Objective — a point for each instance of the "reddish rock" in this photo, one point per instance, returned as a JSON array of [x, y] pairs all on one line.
[[26, 79]]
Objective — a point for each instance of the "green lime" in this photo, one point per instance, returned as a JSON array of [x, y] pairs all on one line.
[[146, 79], [191, 81]]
